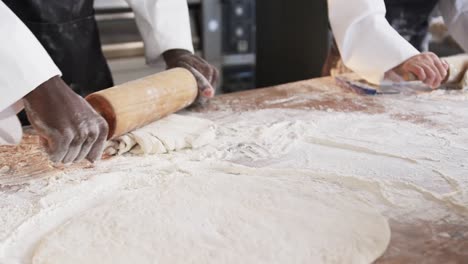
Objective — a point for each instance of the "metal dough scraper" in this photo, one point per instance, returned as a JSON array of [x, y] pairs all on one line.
[[361, 86]]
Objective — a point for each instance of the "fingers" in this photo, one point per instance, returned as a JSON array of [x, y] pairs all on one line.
[[208, 92], [58, 145], [428, 68], [75, 147], [432, 76], [441, 68], [203, 67], [215, 77], [96, 150], [418, 71], [446, 65], [211, 74], [86, 142], [207, 76], [205, 88]]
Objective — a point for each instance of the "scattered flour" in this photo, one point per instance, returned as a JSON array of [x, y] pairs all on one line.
[[223, 213], [408, 164]]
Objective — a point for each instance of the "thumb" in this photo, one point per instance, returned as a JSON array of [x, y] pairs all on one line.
[[204, 86]]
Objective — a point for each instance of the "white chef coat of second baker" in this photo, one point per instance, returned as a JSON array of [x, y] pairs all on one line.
[[371, 47]]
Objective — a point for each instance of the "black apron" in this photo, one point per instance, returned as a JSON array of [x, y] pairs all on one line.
[[410, 18], [68, 31]]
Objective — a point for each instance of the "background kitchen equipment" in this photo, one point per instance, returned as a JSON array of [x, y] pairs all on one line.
[[223, 32], [292, 40]]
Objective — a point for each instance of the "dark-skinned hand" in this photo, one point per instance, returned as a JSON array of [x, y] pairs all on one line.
[[71, 128], [205, 74]]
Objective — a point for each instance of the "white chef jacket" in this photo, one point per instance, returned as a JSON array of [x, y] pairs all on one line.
[[455, 13], [163, 25], [370, 46], [24, 63]]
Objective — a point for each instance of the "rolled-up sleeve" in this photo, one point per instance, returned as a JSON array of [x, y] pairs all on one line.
[[163, 24], [367, 42], [24, 63], [455, 14]]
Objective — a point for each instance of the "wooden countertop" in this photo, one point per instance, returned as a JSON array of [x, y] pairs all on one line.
[[416, 242]]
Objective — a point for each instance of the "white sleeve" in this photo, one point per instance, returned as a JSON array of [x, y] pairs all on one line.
[[455, 13], [367, 42], [10, 127], [24, 63], [163, 24]]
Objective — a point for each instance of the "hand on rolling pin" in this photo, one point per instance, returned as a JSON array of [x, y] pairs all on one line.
[[206, 75], [426, 67], [72, 129]]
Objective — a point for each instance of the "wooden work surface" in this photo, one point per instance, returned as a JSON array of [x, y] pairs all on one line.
[[416, 242]]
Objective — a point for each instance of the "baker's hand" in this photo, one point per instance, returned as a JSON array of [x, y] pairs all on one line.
[[72, 129], [427, 67], [205, 74]]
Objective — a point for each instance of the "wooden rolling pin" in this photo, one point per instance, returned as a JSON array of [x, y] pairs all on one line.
[[134, 104]]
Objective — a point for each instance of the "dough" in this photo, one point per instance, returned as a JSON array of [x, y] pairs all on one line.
[[174, 132], [225, 214], [464, 81], [458, 65]]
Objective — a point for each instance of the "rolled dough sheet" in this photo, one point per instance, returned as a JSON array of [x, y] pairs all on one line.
[[226, 214], [172, 133]]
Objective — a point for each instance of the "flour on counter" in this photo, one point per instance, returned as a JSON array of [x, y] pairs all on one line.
[[223, 213], [261, 179]]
